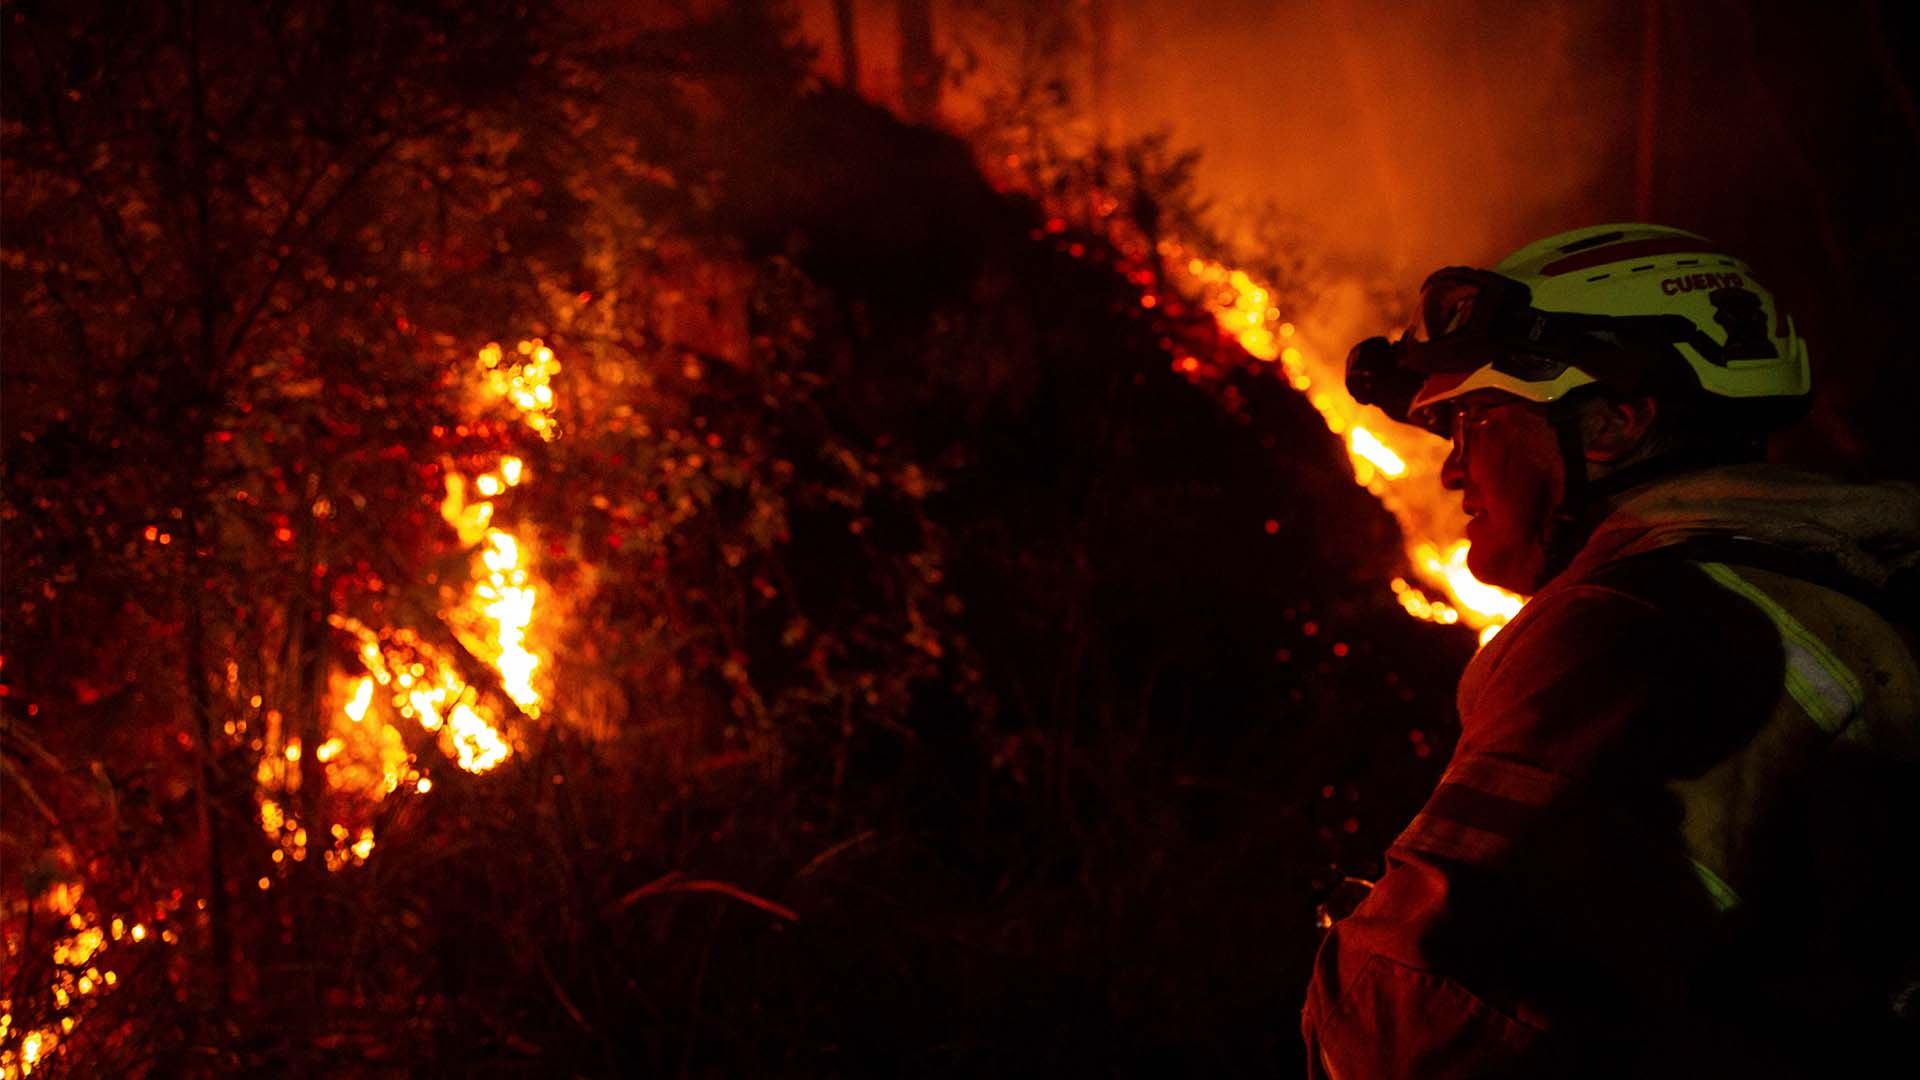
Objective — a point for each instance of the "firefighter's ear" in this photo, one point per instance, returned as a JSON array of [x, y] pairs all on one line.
[[1617, 429]]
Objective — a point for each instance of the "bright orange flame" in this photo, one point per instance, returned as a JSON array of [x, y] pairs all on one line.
[[31, 1049], [427, 689], [526, 382], [510, 605], [1387, 460], [1367, 446], [1420, 607], [363, 753], [1470, 591], [469, 520], [362, 697], [478, 746], [78, 953]]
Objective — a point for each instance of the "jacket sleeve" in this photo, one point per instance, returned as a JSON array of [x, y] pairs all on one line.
[[1511, 914]]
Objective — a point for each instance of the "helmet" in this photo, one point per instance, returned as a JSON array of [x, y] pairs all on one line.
[[1615, 305]]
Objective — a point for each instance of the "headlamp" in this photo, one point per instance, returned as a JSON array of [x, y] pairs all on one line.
[[1463, 317], [1468, 320], [1377, 374]]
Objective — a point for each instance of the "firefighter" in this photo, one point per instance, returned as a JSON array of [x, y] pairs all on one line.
[[1676, 836]]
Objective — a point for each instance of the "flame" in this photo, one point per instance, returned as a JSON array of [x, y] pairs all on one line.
[[1471, 592], [356, 709], [469, 521], [428, 690], [1420, 607], [362, 753], [494, 622], [510, 605], [527, 382], [1365, 446], [478, 745], [79, 955], [1391, 464], [405, 678]]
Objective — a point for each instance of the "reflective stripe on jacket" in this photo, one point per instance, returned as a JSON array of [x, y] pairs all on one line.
[[1667, 842]]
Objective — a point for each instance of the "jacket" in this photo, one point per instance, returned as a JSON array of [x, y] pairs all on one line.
[[1677, 835]]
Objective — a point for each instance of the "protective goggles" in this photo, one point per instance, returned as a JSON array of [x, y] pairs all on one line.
[[1472, 319]]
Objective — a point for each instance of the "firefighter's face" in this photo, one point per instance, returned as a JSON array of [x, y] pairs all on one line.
[[1506, 465]]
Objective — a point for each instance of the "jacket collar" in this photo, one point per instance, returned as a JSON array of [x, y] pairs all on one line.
[[1868, 531]]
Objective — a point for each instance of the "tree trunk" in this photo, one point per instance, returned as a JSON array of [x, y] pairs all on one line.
[[920, 67], [849, 45], [205, 356], [220, 929], [1100, 27], [307, 714]]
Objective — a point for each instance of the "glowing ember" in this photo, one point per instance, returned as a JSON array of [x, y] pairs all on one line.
[[470, 521], [1399, 467], [1420, 607], [81, 971], [356, 709], [526, 382], [443, 704], [479, 746]]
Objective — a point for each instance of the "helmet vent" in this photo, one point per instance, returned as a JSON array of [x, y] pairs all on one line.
[[1591, 242], [1593, 256], [1599, 277]]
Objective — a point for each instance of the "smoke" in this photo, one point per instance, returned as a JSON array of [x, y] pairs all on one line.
[[1399, 137], [1405, 136]]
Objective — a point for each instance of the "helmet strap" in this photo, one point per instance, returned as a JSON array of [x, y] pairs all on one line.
[[1570, 525], [1586, 501]]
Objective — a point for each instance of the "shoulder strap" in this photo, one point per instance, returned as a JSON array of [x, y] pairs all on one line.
[[1898, 601], [1823, 685]]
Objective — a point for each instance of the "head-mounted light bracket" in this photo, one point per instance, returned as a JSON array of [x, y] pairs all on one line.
[[1468, 319]]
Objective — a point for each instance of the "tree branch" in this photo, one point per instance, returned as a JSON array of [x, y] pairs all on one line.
[[674, 882], [109, 222]]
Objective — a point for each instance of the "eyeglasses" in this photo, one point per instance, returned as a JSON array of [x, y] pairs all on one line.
[[1469, 416]]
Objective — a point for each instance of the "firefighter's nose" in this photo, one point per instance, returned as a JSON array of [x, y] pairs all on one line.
[[1453, 471]]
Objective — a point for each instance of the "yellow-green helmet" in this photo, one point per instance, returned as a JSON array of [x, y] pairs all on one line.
[[1604, 304]]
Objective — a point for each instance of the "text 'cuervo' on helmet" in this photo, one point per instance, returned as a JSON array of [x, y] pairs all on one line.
[[1585, 298]]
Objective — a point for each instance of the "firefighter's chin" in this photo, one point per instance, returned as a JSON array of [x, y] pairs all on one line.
[[1496, 557]]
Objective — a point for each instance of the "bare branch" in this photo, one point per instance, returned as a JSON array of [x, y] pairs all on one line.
[[674, 882]]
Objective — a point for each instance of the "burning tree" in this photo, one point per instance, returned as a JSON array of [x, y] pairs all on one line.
[[252, 257], [476, 478]]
